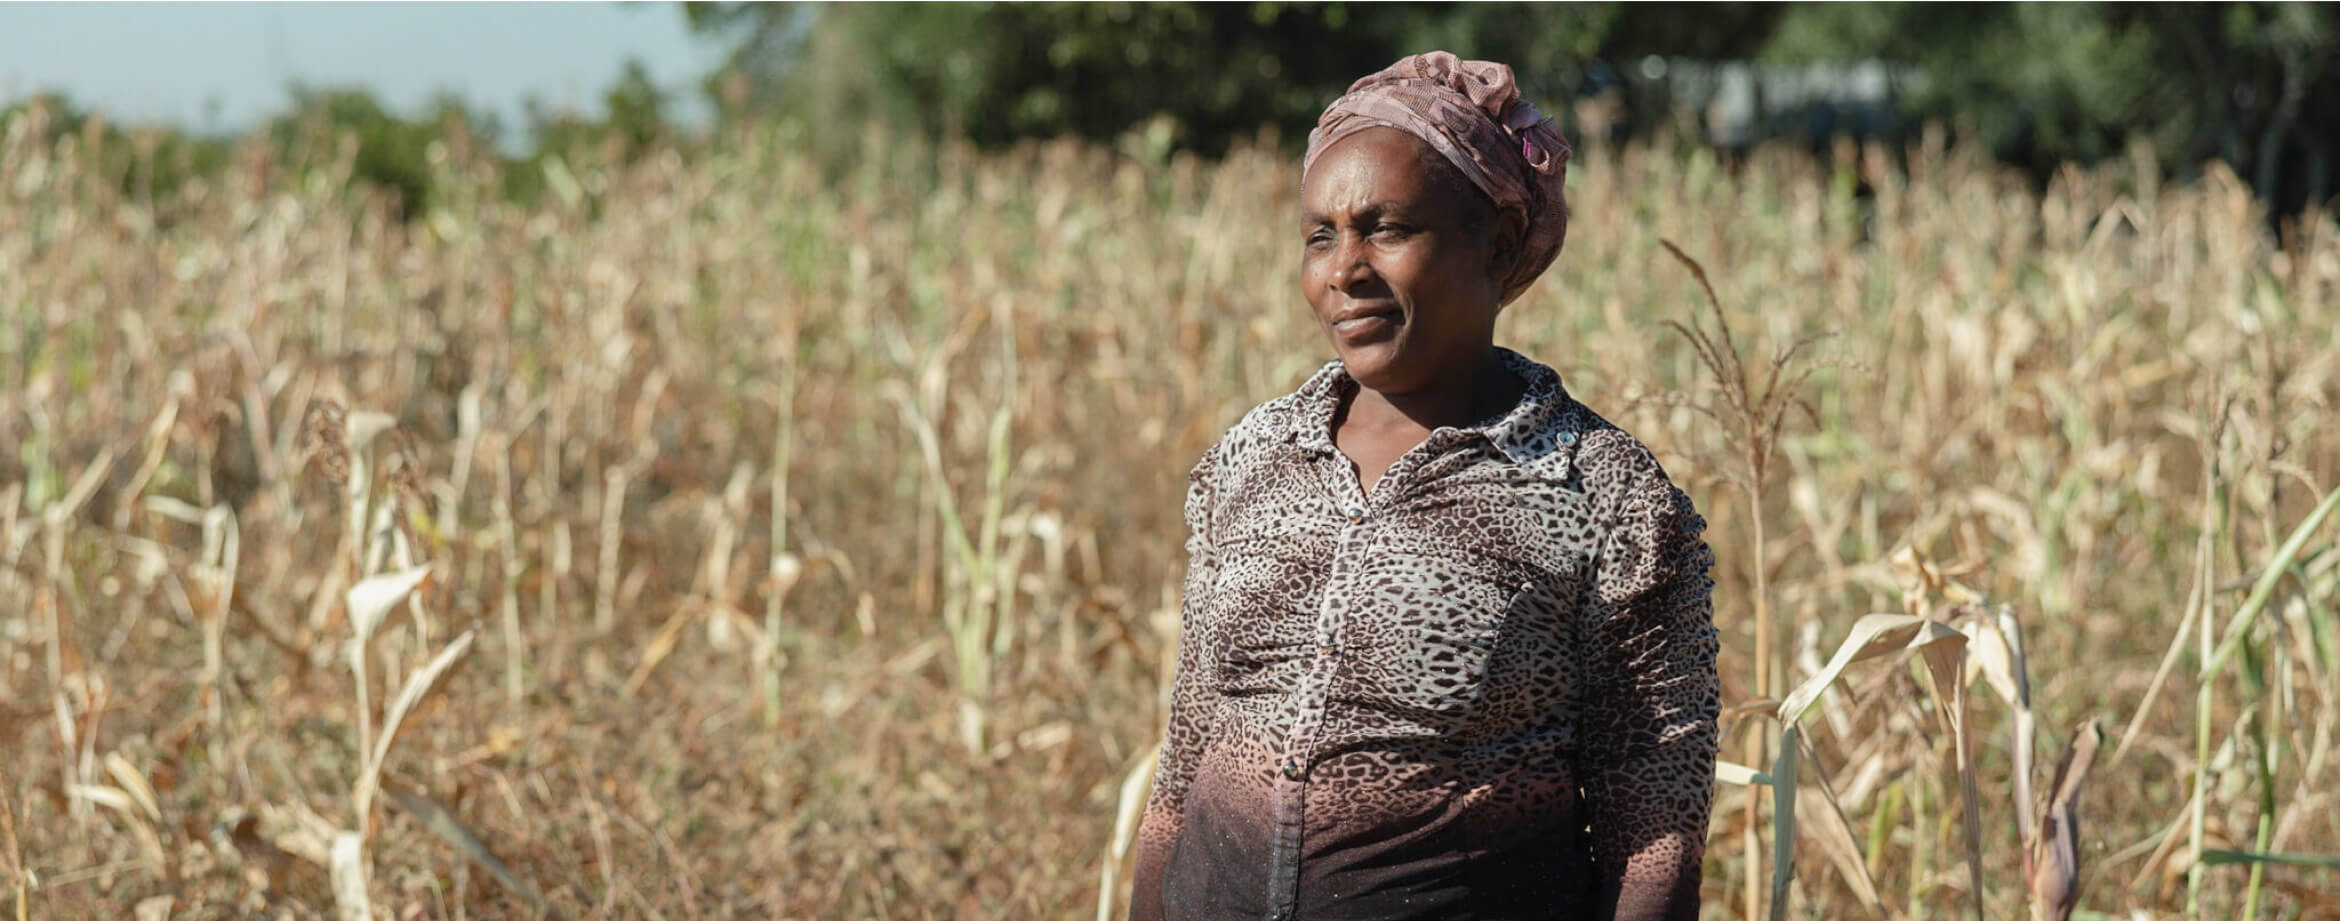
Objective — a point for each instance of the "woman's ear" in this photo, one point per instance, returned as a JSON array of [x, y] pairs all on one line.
[[1503, 243]]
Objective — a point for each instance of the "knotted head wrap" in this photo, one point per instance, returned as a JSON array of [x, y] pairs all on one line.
[[1471, 113]]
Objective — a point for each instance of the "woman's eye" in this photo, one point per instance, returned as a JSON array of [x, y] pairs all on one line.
[[1392, 232]]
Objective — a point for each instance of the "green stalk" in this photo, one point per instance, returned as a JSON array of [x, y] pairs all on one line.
[[1921, 858], [2213, 662], [1881, 823], [1783, 818], [2203, 697], [2266, 833], [2206, 693], [2264, 589]]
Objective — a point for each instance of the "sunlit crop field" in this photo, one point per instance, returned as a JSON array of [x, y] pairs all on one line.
[[790, 541]]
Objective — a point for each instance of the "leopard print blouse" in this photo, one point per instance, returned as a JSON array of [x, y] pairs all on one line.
[[1486, 690]]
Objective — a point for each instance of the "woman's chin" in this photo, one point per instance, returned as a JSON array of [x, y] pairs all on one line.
[[1373, 366]]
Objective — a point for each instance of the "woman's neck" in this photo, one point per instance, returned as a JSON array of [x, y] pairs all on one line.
[[1459, 399]]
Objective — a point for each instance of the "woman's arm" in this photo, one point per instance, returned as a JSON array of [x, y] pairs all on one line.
[[1191, 699], [1649, 729]]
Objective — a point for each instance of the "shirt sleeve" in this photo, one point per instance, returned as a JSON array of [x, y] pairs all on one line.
[[1649, 725], [1191, 704]]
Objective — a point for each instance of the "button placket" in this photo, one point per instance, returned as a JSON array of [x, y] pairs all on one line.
[[1316, 684], [1328, 622], [1315, 694]]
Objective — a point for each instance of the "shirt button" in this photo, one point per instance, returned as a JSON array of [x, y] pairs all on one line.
[[1354, 513], [1566, 438], [1291, 769]]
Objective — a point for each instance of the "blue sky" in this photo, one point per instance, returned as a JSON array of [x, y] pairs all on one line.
[[172, 62]]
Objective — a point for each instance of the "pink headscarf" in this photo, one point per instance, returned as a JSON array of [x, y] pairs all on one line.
[[1470, 112]]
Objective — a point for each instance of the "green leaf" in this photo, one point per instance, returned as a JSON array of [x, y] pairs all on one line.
[[2265, 588], [2222, 857]]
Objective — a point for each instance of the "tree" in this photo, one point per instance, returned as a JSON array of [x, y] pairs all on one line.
[[144, 164], [2254, 84], [392, 154], [996, 72]]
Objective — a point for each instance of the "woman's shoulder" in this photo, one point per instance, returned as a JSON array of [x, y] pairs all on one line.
[[1612, 464], [1261, 427], [1563, 438], [1264, 426]]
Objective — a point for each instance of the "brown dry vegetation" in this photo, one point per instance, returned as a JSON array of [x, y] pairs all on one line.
[[974, 384]]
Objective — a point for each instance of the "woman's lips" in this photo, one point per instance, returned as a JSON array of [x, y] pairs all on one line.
[[1366, 325]]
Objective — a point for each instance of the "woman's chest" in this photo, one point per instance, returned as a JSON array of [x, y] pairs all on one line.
[[1433, 606]]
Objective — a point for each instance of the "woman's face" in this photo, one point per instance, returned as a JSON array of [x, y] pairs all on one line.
[[1399, 277]]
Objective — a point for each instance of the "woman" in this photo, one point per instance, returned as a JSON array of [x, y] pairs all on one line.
[[1448, 647]]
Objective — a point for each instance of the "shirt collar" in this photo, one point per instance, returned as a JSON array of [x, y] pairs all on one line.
[[1539, 433]]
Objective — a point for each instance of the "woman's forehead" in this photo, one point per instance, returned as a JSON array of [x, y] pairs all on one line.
[[1377, 166]]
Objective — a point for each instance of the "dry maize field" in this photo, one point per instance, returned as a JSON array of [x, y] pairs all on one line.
[[736, 533]]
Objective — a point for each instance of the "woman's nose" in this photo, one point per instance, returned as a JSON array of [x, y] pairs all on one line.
[[1350, 267]]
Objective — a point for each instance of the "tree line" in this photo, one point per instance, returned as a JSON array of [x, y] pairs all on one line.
[[396, 156], [2253, 85]]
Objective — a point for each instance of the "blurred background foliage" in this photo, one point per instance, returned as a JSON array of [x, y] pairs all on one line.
[[2040, 85], [2254, 85]]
